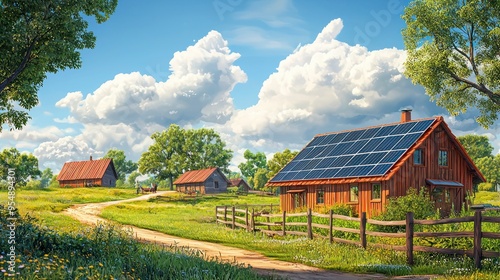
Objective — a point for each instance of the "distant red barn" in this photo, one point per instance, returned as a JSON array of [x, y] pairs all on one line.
[[210, 180], [241, 184], [99, 172]]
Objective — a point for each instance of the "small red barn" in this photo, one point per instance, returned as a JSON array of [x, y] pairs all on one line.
[[365, 167], [204, 181], [241, 184], [99, 172]]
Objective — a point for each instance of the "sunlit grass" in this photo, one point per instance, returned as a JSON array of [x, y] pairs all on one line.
[[195, 219], [47, 204], [482, 197]]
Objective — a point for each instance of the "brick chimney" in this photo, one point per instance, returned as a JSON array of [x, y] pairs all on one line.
[[90, 157], [405, 115]]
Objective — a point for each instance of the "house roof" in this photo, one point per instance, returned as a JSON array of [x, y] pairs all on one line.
[[197, 176], [89, 169], [237, 182], [360, 155]]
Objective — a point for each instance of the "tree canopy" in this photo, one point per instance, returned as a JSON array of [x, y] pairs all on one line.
[[279, 160], [122, 165], [40, 37], [253, 163], [477, 146], [25, 165], [177, 150], [453, 49]]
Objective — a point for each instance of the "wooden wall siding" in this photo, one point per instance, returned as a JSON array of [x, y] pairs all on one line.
[[411, 175], [191, 188], [336, 195], [210, 184], [80, 183], [109, 179]]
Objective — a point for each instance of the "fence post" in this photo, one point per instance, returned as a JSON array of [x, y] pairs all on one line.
[[225, 213], [253, 220], [362, 230], [478, 253], [309, 224], [234, 218], [284, 222], [409, 238], [331, 226], [216, 218], [246, 219]]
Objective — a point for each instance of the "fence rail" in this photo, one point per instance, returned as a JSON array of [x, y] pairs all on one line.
[[261, 221]]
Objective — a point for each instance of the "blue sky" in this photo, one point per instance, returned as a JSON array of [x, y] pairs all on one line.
[[267, 75]]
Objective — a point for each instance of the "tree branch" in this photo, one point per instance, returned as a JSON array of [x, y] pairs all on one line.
[[20, 68], [480, 87]]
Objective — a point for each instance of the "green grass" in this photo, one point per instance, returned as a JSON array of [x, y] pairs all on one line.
[[103, 252], [47, 204], [195, 219], [492, 198]]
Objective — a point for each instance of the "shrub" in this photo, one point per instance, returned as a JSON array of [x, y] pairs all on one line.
[[487, 187], [414, 201]]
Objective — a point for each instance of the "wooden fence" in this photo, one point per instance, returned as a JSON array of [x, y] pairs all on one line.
[[254, 221]]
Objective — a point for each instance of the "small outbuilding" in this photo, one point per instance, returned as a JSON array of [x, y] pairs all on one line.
[[365, 167], [204, 181], [242, 185], [88, 173]]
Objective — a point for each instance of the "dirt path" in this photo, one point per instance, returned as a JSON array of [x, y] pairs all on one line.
[[88, 213]]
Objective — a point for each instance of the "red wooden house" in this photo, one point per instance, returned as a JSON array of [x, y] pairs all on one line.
[[88, 173], [364, 167], [204, 181]]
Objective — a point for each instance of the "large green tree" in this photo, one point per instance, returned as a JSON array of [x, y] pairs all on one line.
[[122, 165], [453, 48], [204, 148], [24, 165], [253, 163], [477, 146], [39, 37], [177, 150], [279, 160], [490, 167]]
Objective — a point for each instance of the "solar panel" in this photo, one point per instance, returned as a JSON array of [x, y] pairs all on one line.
[[369, 133], [407, 141], [326, 162], [340, 149], [403, 128], [353, 135], [356, 147], [345, 172], [363, 152], [357, 159]]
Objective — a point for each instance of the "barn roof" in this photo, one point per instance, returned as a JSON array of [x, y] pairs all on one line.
[[89, 169], [198, 176], [360, 155], [236, 182]]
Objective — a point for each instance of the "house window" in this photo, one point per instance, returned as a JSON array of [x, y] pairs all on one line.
[[418, 157], [376, 191], [216, 184], [320, 196], [443, 158], [353, 194]]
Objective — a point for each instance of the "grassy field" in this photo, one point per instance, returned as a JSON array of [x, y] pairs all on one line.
[[195, 219], [46, 204], [492, 198]]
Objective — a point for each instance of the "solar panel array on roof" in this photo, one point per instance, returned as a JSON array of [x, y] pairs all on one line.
[[357, 153]]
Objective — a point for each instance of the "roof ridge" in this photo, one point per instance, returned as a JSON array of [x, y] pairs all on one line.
[[375, 126]]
